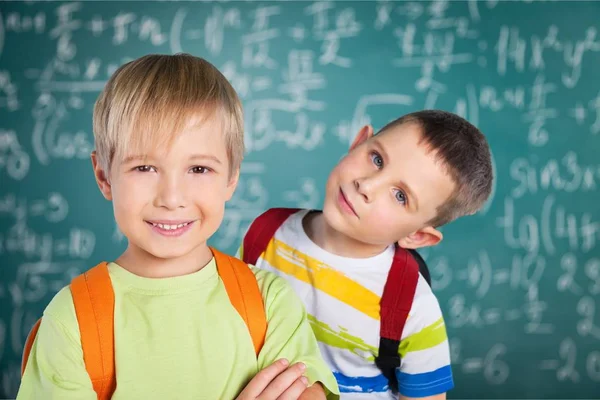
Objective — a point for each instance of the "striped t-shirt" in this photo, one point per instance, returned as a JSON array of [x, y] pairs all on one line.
[[342, 296]]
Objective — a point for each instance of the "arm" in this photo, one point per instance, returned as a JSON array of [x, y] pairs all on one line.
[[290, 336], [55, 368], [281, 381], [425, 372]]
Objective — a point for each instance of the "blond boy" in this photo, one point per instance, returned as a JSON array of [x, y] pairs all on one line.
[[169, 144]]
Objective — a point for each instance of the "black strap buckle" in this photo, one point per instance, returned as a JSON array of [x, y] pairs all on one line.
[[387, 365]]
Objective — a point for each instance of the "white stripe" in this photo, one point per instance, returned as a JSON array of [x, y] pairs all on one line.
[[418, 362]]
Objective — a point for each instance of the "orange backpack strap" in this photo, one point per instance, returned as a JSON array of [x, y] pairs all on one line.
[[94, 301], [29, 345], [244, 293]]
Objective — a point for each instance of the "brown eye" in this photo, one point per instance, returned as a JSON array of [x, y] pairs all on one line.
[[144, 168], [199, 170]]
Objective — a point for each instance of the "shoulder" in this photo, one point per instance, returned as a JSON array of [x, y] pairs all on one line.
[[285, 216], [425, 310], [269, 283], [265, 231], [424, 296], [60, 314], [61, 306], [275, 290]]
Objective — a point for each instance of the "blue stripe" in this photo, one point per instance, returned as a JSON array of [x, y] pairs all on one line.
[[425, 384], [361, 384]]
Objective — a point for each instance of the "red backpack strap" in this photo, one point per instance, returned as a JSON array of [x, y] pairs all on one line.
[[261, 231], [244, 294], [396, 301], [94, 301]]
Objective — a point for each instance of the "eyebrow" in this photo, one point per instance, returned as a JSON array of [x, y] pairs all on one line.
[[129, 159], [412, 198], [194, 157]]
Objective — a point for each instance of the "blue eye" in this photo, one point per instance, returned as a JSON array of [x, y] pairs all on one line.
[[377, 160], [145, 168], [400, 197]]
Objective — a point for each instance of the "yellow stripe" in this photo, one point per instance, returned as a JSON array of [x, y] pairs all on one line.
[[426, 338], [322, 277]]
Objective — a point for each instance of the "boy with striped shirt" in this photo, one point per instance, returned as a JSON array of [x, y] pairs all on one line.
[[389, 195]]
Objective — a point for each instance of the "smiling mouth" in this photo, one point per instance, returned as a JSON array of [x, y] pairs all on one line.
[[170, 228]]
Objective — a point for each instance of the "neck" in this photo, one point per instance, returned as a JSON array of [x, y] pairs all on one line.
[[141, 263], [323, 235]]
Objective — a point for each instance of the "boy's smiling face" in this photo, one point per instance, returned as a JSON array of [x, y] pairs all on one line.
[[387, 188], [169, 201]]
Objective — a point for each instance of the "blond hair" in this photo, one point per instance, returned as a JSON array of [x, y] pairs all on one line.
[[151, 100]]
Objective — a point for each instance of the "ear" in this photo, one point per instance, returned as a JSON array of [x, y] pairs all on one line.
[[363, 134], [428, 236], [101, 177], [233, 181]]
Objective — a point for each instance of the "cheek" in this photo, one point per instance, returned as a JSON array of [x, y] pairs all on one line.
[[384, 217], [341, 173], [346, 166], [211, 194], [130, 197], [391, 221]]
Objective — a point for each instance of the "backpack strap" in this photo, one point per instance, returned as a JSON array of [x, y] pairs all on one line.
[[422, 265], [94, 301], [261, 231], [244, 294], [29, 344], [396, 301]]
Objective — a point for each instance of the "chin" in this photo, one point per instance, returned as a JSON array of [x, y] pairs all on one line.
[[168, 253], [330, 213], [335, 220]]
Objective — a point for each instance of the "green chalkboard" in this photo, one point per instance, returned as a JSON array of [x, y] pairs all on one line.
[[519, 283]]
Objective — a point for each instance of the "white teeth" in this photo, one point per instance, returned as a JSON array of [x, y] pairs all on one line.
[[170, 227]]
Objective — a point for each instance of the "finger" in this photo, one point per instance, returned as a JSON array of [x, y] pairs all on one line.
[[294, 391], [258, 384], [280, 384]]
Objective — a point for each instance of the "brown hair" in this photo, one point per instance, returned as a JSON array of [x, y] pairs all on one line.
[[151, 100], [465, 153]]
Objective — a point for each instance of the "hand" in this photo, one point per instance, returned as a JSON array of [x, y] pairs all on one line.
[[279, 381], [314, 392]]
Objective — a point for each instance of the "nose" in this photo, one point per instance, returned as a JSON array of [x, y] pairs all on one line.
[[170, 193], [366, 187]]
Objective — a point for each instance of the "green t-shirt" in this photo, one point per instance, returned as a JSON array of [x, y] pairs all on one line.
[[174, 338]]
